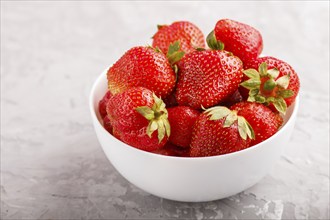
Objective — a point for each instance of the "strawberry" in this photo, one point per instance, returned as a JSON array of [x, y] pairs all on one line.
[[139, 118], [275, 83], [171, 150], [182, 119], [241, 39], [219, 130], [103, 104], [207, 77], [107, 124], [188, 34], [146, 67], [264, 121]]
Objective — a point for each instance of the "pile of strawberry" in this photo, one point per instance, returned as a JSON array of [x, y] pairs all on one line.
[[179, 98]]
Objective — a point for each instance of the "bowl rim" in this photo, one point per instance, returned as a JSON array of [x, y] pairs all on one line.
[[222, 156]]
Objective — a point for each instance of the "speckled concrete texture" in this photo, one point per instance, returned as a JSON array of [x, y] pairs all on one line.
[[52, 166]]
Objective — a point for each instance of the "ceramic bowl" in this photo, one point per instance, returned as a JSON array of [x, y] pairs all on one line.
[[190, 179]]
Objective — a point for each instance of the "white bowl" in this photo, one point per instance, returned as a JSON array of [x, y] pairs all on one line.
[[190, 179]]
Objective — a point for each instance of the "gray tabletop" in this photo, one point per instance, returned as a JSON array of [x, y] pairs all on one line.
[[52, 166]]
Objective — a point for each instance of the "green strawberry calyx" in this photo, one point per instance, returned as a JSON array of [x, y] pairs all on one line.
[[213, 43], [266, 87], [220, 112], [174, 54], [157, 116]]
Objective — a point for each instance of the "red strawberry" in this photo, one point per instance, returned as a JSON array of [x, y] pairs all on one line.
[[219, 131], [188, 34], [207, 78], [139, 118], [107, 124], [264, 121], [241, 39], [276, 84], [103, 104], [182, 119], [146, 67], [172, 150]]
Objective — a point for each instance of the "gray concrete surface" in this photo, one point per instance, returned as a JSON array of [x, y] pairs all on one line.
[[52, 166]]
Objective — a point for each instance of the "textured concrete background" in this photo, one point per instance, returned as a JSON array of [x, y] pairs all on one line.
[[52, 166]]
